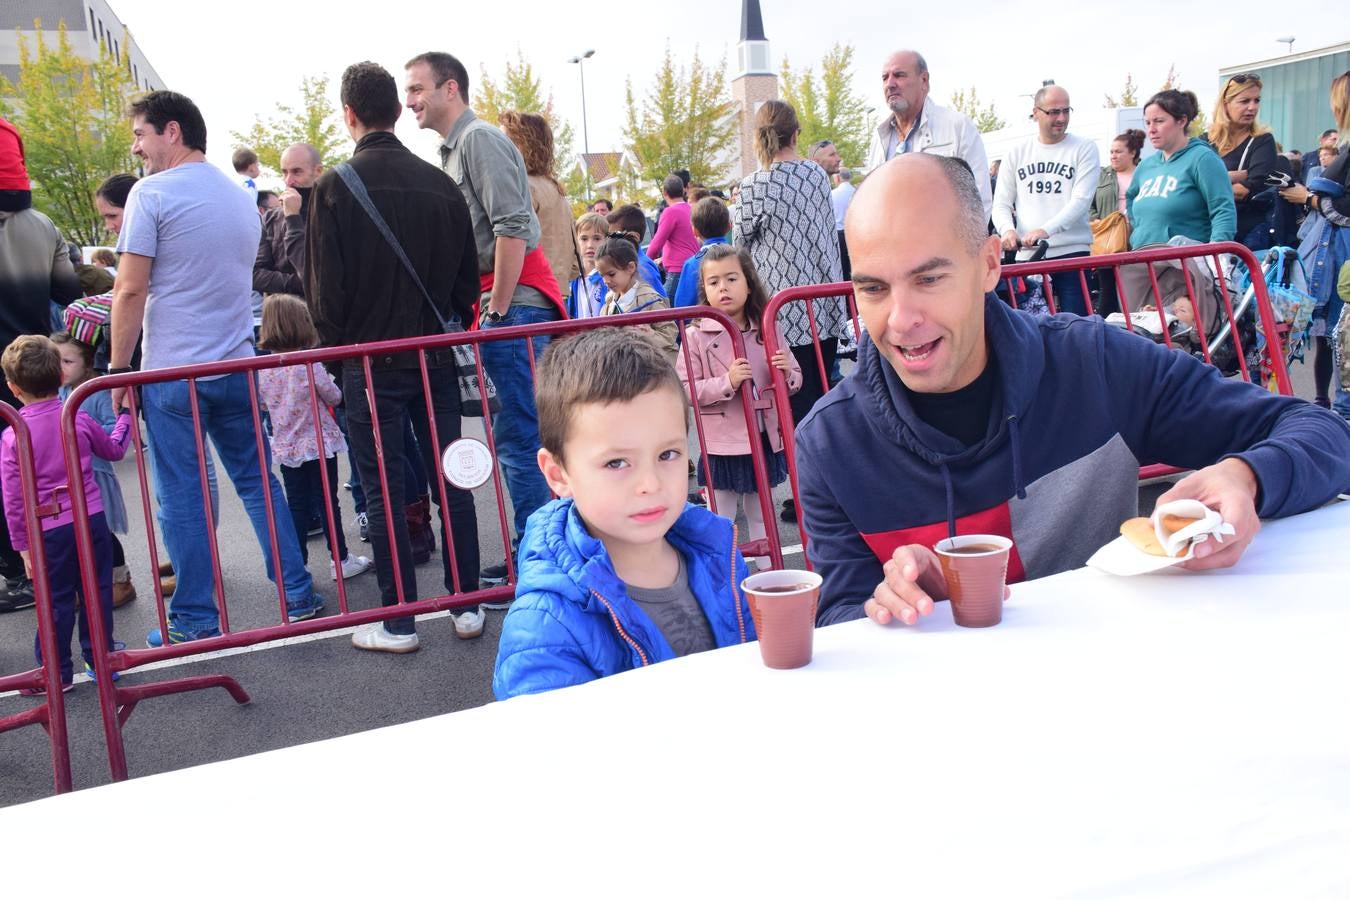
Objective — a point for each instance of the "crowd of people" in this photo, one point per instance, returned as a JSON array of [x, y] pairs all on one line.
[[961, 413]]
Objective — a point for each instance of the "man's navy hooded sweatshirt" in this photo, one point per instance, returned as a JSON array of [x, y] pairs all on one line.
[[1077, 407]]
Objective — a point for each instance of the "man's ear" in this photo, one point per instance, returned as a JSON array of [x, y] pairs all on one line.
[[991, 263], [554, 473]]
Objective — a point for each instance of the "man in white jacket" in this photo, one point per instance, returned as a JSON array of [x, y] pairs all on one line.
[[918, 125], [1044, 190]]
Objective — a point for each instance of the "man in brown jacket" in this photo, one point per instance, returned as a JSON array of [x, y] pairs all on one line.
[[280, 267]]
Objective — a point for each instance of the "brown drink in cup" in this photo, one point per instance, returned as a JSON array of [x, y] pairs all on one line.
[[976, 569], [783, 605]]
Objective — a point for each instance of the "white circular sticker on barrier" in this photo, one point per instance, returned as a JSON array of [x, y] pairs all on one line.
[[467, 463]]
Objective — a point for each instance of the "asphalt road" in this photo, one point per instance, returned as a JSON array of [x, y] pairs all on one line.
[[311, 689]]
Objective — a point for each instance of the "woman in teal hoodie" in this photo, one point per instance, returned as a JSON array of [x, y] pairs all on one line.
[[1183, 190]]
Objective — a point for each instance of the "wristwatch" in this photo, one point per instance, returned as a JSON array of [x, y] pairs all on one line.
[[120, 370], [495, 317]]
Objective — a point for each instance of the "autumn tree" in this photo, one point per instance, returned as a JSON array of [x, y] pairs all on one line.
[[519, 89], [827, 106], [1172, 82], [315, 122], [1129, 95], [685, 121], [71, 113], [985, 117]]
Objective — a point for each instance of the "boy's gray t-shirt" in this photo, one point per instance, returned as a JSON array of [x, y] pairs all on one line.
[[676, 612], [203, 233]]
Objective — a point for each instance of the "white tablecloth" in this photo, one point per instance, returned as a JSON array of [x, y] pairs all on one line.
[[1167, 735]]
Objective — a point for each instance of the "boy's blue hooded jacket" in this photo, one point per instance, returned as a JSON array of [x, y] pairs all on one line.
[[1078, 406], [573, 621]]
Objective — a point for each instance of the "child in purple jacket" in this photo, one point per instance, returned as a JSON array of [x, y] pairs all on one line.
[[32, 366]]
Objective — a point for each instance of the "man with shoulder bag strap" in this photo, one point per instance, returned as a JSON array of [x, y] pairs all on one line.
[[390, 254]]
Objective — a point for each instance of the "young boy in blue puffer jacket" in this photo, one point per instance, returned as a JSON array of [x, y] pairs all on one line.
[[620, 571]]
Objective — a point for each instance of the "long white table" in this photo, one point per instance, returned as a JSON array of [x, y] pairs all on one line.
[[1168, 735]]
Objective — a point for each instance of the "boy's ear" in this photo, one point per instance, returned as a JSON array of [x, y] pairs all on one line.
[[554, 473]]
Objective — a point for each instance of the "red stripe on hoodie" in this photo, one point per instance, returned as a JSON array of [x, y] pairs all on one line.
[[996, 520]]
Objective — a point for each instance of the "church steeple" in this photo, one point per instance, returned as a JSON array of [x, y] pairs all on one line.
[[752, 23], [752, 54], [755, 82]]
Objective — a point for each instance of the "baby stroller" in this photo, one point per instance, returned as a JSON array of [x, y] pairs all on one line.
[[1211, 289], [1286, 284]]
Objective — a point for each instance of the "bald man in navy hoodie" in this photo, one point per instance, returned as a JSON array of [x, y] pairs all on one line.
[[966, 416]]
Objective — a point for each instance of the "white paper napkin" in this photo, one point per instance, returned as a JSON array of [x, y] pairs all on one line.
[[1121, 557]]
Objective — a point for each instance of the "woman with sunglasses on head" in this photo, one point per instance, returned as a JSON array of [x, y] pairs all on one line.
[[1248, 151]]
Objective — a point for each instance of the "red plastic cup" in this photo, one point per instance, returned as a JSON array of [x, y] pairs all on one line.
[[783, 605], [976, 569]]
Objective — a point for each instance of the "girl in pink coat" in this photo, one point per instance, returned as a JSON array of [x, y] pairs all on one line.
[[728, 282]]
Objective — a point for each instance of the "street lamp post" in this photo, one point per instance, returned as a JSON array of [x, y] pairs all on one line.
[[1288, 42], [580, 61]]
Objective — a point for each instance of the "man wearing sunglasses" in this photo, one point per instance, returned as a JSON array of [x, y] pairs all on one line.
[[1044, 193]]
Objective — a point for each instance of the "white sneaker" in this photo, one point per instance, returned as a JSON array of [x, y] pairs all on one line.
[[375, 637], [469, 624], [352, 566]]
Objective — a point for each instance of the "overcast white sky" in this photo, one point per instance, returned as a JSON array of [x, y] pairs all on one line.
[[240, 58]]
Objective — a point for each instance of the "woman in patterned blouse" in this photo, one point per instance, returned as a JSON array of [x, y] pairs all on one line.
[[786, 220]]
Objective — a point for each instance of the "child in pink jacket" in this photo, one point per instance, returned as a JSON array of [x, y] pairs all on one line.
[[728, 282], [32, 366]]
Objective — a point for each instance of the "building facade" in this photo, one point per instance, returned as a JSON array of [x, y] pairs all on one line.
[[1295, 92], [89, 25]]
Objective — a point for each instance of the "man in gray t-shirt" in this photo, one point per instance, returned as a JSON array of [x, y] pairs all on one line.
[[188, 241]]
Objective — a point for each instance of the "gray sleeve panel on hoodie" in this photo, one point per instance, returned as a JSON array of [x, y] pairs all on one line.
[[1074, 510]]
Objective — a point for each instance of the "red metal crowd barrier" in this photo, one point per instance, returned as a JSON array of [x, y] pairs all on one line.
[[1272, 358], [51, 712], [118, 701], [1106, 272]]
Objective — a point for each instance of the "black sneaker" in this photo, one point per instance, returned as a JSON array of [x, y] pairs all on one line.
[[493, 575], [16, 595], [789, 513], [315, 527]]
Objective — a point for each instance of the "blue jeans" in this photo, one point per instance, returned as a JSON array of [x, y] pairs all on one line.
[[226, 416], [516, 427]]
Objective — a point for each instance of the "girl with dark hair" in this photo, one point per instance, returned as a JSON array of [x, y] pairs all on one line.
[[617, 263], [728, 282]]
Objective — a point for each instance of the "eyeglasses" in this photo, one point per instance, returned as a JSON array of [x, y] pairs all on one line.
[[1246, 77], [1056, 111]]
